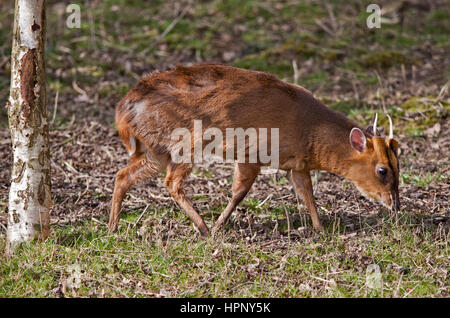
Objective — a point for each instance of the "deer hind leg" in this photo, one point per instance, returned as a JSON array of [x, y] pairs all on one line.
[[176, 173], [139, 169], [244, 176], [302, 185]]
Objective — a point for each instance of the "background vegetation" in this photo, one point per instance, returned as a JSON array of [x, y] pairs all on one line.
[[268, 248]]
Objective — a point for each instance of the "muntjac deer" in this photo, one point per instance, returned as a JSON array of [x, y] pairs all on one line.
[[311, 136]]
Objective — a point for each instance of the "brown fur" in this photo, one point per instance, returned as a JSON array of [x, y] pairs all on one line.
[[312, 136]]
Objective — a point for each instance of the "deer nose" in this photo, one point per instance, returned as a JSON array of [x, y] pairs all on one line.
[[395, 201], [397, 205]]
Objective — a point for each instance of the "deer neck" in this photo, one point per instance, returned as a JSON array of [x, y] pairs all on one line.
[[333, 152]]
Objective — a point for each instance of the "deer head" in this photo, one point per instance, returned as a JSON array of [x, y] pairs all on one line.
[[375, 165]]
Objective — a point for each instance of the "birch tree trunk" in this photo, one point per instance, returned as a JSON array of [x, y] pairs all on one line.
[[29, 196]]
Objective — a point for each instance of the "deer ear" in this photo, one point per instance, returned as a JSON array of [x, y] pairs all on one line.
[[357, 140]]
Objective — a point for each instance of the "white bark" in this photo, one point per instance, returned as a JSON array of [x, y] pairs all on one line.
[[29, 197]]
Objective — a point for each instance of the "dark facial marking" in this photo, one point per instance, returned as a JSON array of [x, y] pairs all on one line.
[[393, 161]]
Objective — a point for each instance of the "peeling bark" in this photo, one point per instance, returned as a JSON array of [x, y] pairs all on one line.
[[28, 81], [29, 196]]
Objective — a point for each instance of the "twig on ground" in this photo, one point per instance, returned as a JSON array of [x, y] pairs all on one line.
[[167, 30], [140, 216], [55, 107]]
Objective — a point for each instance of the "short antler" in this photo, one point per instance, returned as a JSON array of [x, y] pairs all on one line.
[[375, 125], [391, 127]]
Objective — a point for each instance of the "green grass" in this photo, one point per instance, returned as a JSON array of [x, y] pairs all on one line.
[[143, 262], [421, 112], [423, 180]]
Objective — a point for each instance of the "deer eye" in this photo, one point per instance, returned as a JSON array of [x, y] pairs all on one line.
[[382, 171]]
